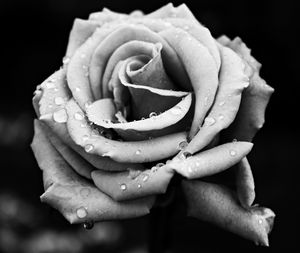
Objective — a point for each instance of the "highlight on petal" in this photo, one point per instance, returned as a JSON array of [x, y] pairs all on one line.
[[211, 161], [127, 152], [132, 183], [233, 80], [201, 70], [244, 183], [251, 115], [77, 199], [217, 204]]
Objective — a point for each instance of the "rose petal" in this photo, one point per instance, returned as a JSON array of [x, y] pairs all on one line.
[[77, 199], [132, 184], [211, 161], [245, 183], [217, 204], [128, 152], [223, 112], [251, 115], [81, 31], [78, 70], [165, 119], [82, 167], [106, 16], [201, 69], [103, 163], [122, 35]]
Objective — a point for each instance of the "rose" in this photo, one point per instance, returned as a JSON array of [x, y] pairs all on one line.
[[136, 90]]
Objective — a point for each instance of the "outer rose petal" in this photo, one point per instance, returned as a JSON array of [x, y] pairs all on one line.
[[211, 161], [251, 115], [201, 69], [245, 183], [227, 101], [132, 184], [217, 204], [73, 196]]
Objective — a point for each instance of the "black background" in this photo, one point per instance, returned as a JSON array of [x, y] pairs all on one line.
[[34, 36]]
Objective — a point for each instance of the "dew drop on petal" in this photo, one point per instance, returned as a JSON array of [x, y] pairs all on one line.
[[85, 192], [145, 178], [209, 121], [176, 110], [260, 221], [189, 169], [78, 116], [234, 140], [81, 212], [88, 225], [186, 155], [197, 164], [60, 116], [88, 148], [221, 117], [222, 103], [232, 152], [138, 152], [77, 89], [139, 186], [152, 114], [154, 169], [182, 145], [59, 101], [66, 60], [123, 187], [159, 165]]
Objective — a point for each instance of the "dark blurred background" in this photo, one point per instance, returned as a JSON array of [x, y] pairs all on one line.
[[34, 36]]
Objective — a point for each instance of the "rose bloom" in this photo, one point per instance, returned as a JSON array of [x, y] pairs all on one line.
[[140, 98]]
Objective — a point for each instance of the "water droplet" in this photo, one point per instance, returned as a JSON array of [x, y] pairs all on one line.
[[222, 103], [139, 186], [123, 187], [78, 116], [154, 169], [60, 116], [221, 117], [209, 121], [186, 154], [85, 137], [234, 140], [87, 104], [88, 148], [138, 152], [59, 101], [81, 212], [66, 60], [232, 153], [260, 221], [50, 85], [133, 174], [83, 125], [85, 192], [50, 105], [145, 177], [182, 145], [88, 225], [197, 164], [176, 110], [143, 118], [55, 89], [159, 165], [77, 89], [152, 114]]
